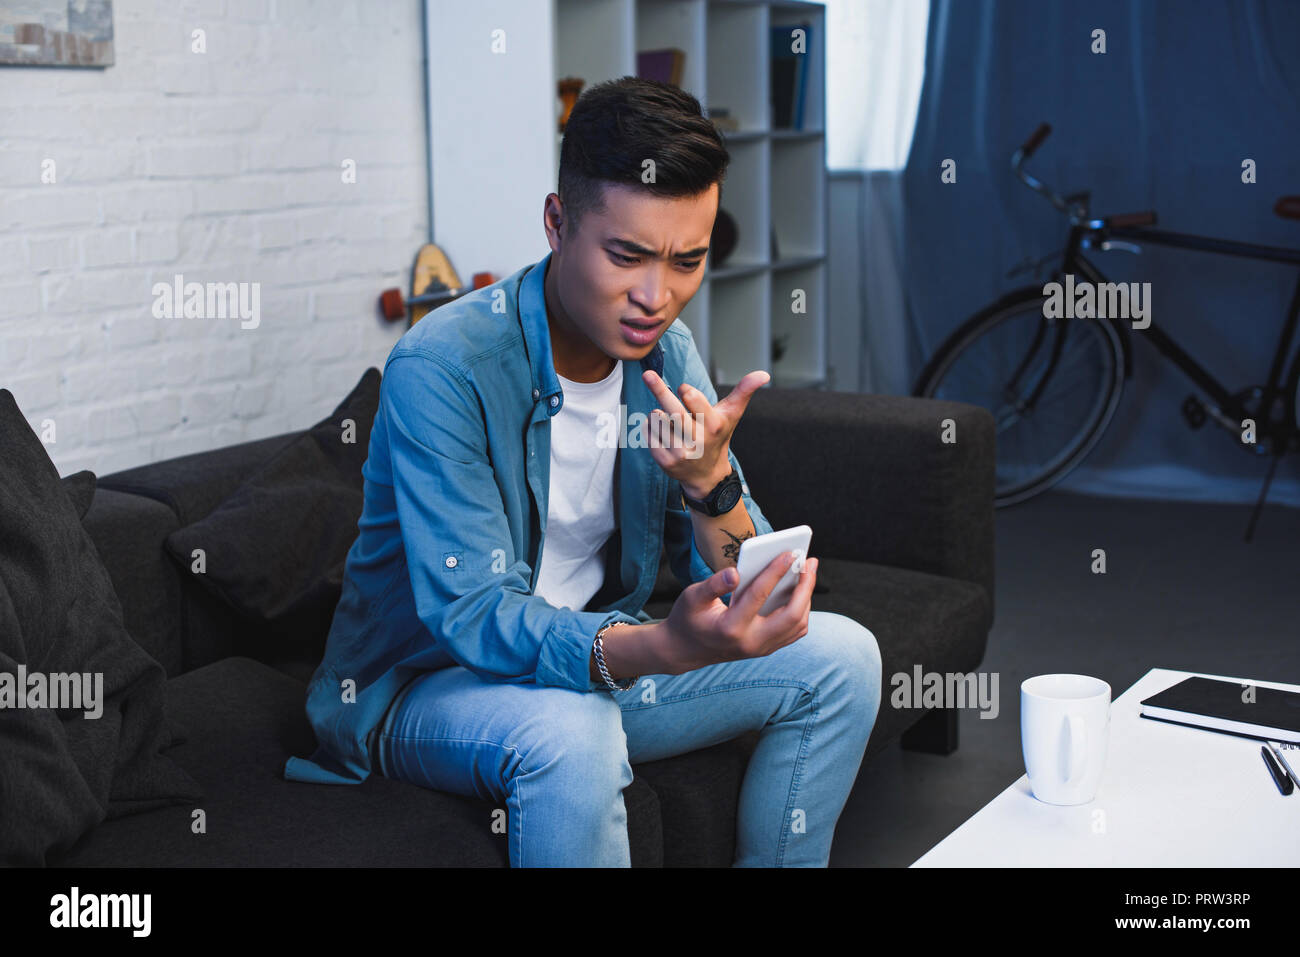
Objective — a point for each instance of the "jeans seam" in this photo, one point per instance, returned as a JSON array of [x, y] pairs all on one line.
[[718, 689], [795, 778], [441, 737]]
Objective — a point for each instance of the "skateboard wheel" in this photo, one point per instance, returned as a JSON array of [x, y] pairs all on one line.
[[391, 305]]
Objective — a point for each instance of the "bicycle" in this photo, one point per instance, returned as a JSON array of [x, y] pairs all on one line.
[[1026, 367]]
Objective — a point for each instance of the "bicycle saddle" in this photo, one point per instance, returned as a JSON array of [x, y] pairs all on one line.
[[1288, 207]]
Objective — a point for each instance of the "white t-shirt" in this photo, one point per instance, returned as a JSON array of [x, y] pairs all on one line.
[[580, 515]]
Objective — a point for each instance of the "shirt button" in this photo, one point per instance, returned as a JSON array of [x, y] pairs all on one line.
[[536, 393], [451, 561], [555, 400]]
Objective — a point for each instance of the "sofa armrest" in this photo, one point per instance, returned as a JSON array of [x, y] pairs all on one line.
[[873, 477]]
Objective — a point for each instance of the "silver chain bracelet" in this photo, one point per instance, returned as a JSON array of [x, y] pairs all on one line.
[[600, 659]]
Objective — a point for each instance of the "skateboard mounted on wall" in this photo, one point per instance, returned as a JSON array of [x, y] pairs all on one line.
[[434, 282]]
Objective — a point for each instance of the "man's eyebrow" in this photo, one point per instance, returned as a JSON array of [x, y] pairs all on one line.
[[632, 247]]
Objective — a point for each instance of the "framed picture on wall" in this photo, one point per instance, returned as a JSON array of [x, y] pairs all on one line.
[[56, 33]]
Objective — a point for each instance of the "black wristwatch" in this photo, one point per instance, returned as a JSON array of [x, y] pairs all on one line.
[[721, 500]]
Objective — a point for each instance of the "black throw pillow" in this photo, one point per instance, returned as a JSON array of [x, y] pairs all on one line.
[[80, 487], [274, 551], [61, 772]]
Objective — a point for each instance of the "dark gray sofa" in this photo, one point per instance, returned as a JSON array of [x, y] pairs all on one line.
[[903, 525]]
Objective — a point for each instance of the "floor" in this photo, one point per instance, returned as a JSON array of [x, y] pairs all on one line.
[[1182, 590]]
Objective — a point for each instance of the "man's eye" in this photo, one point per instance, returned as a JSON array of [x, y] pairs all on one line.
[[689, 265]]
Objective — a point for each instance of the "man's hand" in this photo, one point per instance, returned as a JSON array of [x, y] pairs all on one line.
[[690, 439], [700, 630]]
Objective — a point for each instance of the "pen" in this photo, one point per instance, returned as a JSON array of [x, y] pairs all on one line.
[[1287, 765], [1280, 777]]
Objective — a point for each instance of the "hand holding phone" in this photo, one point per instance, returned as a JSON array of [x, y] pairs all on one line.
[[701, 630], [758, 552]]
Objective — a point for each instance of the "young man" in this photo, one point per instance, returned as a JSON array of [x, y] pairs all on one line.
[[491, 638]]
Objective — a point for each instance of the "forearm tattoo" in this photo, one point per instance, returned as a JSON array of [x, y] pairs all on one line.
[[731, 551]]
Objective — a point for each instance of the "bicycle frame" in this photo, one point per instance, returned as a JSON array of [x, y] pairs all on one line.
[[1228, 411], [1085, 231], [1097, 231]]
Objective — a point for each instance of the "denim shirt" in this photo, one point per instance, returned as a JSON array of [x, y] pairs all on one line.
[[454, 521]]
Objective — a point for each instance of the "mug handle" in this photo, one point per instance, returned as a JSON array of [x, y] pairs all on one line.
[[1078, 746]]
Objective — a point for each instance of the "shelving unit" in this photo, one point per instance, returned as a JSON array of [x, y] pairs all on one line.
[[776, 183]]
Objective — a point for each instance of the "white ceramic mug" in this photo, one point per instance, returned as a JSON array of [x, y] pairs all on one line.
[[1064, 727]]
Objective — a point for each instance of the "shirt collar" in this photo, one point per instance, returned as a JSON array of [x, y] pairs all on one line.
[[545, 385]]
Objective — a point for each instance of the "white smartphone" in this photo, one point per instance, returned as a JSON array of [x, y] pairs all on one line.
[[758, 552]]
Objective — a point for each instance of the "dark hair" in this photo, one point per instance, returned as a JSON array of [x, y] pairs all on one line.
[[616, 125]]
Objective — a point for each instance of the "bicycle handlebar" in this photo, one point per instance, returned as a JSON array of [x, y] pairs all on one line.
[[1035, 140], [1018, 165], [1075, 210]]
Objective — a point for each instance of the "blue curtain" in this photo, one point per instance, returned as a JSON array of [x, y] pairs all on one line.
[[1186, 90]]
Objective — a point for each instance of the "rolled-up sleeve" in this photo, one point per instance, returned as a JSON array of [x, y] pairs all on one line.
[[684, 557], [457, 538]]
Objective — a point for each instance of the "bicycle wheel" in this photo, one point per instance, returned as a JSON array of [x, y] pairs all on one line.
[[1052, 386]]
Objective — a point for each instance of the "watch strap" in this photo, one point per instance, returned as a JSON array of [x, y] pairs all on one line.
[[709, 504]]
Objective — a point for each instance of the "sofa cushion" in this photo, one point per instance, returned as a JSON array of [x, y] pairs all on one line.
[[274, 551], [64, 768], [245, 719], [129, 531]]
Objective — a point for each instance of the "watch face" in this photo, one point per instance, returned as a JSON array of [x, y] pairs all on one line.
[[727, 498]]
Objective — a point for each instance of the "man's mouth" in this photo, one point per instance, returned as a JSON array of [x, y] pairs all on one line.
[[640, 332]]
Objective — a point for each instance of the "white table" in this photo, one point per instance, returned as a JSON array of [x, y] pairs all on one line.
[[1170, 796]]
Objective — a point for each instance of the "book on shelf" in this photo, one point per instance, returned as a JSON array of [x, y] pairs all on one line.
[[664, 65], [789, 77]]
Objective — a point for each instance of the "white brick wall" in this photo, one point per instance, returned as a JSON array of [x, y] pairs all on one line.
[[223, 167]]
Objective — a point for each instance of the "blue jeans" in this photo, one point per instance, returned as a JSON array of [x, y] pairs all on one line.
[[559, 759]]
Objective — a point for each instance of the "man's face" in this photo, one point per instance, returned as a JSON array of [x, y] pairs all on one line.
[[642, 260]]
